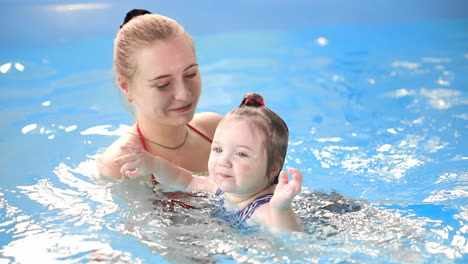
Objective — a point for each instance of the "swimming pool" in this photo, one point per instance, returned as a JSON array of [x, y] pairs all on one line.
[[374, 95]]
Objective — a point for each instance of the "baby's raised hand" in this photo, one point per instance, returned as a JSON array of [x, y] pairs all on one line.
[[286, 190], [137, 163]]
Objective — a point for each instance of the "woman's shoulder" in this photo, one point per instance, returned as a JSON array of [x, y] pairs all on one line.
[[105, 161], [206, 122]]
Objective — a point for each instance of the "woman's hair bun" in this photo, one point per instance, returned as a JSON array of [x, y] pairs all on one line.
[[134, 13]]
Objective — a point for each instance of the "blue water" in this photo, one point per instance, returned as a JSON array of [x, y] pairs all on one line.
[[374, 96]]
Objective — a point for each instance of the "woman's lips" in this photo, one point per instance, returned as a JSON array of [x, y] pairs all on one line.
[[182, 109]]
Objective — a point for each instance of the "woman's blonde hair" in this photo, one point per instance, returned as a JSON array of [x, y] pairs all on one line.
[[139, 32]]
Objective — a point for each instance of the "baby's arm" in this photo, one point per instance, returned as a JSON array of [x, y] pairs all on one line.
[[139, 163], [282, 216]]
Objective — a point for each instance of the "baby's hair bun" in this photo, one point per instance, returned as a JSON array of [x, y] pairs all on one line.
[[252, 99], [134, 13]]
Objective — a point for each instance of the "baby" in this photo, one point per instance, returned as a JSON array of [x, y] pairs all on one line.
[[247, 154]]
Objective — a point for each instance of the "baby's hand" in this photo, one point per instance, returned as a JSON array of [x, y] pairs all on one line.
[[137, 163], [286, 190]]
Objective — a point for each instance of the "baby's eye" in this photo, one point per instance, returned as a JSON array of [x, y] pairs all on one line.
[[217, 150], [242, 154]]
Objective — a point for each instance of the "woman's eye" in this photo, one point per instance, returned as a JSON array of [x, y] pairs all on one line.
[[163, 86], [190, 76]]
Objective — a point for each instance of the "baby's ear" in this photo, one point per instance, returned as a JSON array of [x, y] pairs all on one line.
[[275, 170]]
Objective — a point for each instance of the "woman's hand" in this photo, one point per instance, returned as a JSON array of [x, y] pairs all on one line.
[[286, 190], [138, 162]]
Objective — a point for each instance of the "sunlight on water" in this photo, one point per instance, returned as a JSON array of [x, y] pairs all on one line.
[[46, 236], [104, 130], [337, 227]]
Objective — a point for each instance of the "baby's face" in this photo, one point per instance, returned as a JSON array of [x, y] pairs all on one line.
[[238, 162]]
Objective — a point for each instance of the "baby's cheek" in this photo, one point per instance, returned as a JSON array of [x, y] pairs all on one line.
[[248, 168], [211, 165]]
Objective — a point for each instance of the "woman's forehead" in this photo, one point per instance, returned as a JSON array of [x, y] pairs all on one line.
[[164, 55]]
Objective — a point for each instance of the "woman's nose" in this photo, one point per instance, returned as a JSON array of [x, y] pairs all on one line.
[[182, 92]]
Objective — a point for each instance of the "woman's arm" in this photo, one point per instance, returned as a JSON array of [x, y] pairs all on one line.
[[206, 122], [138, 163], [105, 162]]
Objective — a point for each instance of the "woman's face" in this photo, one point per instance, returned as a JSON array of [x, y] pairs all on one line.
[[167, 84]]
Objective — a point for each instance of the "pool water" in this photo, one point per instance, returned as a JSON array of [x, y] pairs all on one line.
[[378, 120]]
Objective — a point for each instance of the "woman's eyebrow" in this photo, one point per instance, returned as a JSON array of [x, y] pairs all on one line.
[[167, 75], [159, 77], [191, 65]]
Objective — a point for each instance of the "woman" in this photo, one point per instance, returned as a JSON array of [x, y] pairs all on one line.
[[157, 71]]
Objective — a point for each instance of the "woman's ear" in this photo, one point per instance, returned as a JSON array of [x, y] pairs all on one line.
[[123, 84]]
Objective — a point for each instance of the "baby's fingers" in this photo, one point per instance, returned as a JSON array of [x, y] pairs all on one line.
[[297, 175], [124, 159], [283, 178], [131, 147], [130, 169]]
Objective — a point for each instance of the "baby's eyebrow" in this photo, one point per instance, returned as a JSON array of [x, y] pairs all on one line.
[[243, 146], [236, 146]]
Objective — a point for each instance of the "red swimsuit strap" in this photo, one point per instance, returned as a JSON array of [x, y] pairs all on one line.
[[143, 144], [141, 138], [175, 195], [200, 133]]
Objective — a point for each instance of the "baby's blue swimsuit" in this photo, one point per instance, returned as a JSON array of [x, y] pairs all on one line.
[[239, 218]]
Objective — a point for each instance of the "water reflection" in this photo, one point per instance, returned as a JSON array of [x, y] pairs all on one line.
[[82, 209]]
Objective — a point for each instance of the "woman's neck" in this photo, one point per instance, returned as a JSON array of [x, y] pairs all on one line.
[[160, 133]]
